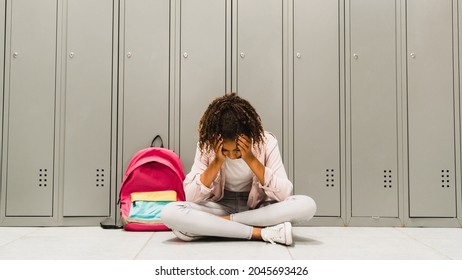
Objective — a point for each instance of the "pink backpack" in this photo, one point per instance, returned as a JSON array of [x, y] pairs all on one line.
[[154, 177]]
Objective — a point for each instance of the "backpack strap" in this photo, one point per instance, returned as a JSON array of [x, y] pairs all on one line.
[[154, 140]]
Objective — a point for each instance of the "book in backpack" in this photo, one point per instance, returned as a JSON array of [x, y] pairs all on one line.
[[153, 178]]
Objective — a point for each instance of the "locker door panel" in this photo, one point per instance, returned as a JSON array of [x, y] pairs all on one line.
[[31, 120], [316, 103], [431, 108], [88, 108], [146, 75], [259, 59], [203, 66], [373, 108]]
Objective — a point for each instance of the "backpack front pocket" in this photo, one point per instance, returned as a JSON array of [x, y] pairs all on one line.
[[146, 207]]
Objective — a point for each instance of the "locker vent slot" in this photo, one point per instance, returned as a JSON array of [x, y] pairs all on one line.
[[387, 179], [330, 178], [100, 178], [445, 178], [43, 178]]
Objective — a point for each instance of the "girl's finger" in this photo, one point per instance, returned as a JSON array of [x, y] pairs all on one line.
[[218, 145], [244, 141], [243, 146]]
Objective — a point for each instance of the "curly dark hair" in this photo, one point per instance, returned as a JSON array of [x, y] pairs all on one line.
[[227, 117]]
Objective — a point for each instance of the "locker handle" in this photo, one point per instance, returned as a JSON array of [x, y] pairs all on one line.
[[15, 54]]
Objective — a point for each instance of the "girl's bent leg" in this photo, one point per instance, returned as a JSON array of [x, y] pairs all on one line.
[[296, 208], [200, 220]]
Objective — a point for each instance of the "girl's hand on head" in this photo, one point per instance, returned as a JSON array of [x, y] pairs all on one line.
[[219, 156], [245, 146]]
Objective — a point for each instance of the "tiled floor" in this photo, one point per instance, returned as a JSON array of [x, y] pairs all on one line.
[[311, 243]]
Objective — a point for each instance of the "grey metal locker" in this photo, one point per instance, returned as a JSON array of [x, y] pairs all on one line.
[[203, 67], [87, 113], [30, 96], [145, 95], [259, 59], [431, 108], [316, 103], [2, 61], [373, 97]]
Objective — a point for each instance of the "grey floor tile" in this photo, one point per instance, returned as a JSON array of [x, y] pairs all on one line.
[[164, 245], [90, 243], [358, 244], [447, 241], [9, 234]]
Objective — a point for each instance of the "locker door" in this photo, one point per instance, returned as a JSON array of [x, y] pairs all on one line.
[[316, 103], [203, 67], [2, 61], [431, 108], [373, 108], [31, 108], [88, 108], [145, 75], [259, 59]]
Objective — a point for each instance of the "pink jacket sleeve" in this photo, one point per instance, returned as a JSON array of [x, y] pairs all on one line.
[[277, 186]]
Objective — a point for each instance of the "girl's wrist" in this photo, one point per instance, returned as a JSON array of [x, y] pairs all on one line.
[[218, 161], [249, 159]]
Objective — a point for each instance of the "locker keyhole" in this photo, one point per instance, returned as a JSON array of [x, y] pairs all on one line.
[[445, 179], [43, 178], [387, 179], [100, 178], [330, 178]]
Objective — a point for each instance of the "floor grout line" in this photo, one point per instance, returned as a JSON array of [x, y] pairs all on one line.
[[144, 246], [22, 236], [290, 254], [402, 231]]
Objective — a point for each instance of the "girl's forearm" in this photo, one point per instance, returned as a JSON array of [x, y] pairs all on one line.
[[257, 168], [209, 175]]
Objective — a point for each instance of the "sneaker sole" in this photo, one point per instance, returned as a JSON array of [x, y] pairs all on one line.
[[288, 233]]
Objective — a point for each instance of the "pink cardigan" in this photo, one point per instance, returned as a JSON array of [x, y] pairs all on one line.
[[277, 186]]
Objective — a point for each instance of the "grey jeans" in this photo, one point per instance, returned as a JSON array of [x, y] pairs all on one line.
[[205, 218]]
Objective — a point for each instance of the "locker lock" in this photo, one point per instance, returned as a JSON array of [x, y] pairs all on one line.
[[355, 56], [242, 55], [299, 55], [412, 55], [71, 54], [185, 55], [15, 54], [129, 54]]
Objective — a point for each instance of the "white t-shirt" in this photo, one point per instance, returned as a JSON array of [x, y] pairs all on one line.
[[238, 175]]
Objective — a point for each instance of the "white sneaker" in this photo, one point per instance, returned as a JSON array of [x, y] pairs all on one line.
[[185, 236], [281, 233]]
